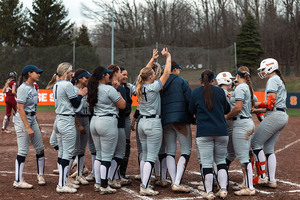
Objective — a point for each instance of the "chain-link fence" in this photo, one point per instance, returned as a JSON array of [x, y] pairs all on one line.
[[132, 59]]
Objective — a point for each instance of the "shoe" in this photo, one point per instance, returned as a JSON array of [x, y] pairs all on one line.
[[107, 190], [162, 183], [149, 186], [71, 180], [82, 180], [148, 192], [5, 131], [125, 181], [263, 181], [85, 170], [180, 188], [114, 184], [272, 184], [222, 193], [65, 189], [90, 177], [97, 187], [55, 171], [41, 179], [201, 187], [239, 187], [156, 178], [74, 174], [208, 196], [22, 184], [137, 177], [245, 192], [71, 185]]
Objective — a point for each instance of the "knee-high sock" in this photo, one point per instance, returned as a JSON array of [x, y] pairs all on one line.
[[171, 164], [19, 166], [157, 167], [260, 158], [63, 171], [118, 174], [163, 166], [97, 172], [80, 164], [208, 179], [124, 164], [40, 160], [222, 176], [58, 163], [70, 165], [181, 166], [248, 173], [93, 161], [105, 165], [148, 168], [271, 159], [115, 164], [6, 121], [215, 172], [142, 164]]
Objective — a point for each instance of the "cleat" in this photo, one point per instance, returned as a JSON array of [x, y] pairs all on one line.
[[222, 193], [55, 171], [90, 177], [148, 192], [74, 174], [125, 181], [272, 184], [85, 170], [107, 190], [162, 183], [263, 181], [22, 184], [71, 180], [245, 192], [71, 185], [180, 188], [65, 189], [41, 179], [82, 180], [149, 186], [5, 131], [114, 184], [209, 196], [239, 187], [137, 177], [97, 187]]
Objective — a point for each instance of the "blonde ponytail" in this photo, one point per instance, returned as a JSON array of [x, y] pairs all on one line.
[[144, 74]]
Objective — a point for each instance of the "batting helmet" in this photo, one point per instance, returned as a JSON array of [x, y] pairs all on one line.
[[224, 78], [12, 75], [268, 65]]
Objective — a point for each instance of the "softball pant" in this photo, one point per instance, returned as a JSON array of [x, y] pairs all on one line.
[[124, 164], [11, 103], [171, 134], [230, 156], [92, 149], [104, 130], [150, 133], [266, 135]]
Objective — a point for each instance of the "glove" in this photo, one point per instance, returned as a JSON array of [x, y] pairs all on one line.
[[271, 102], [260, 116], [262, 105]]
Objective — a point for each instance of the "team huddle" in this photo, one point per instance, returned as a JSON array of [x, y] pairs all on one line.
[[94, 110]]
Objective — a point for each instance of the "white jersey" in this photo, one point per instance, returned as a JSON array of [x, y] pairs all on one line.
[[276, 85], [63, 91], [83, 108], [242, 93], [27, 95], [151, 103], [107, 97]]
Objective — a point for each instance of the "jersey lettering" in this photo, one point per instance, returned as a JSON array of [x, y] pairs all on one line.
[[56, 91], [144, 93], [293, 100]]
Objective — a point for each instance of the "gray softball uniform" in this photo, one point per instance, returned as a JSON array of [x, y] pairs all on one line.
[[243, 125], [104, 123], [269, 129], [230, 150], [28, 96]]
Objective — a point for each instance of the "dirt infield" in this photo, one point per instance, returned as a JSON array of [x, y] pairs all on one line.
[[288, 170]]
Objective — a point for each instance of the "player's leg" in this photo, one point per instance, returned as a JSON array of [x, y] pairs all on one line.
[[96, 141], [139, 149], [124, 164], [171, 144]]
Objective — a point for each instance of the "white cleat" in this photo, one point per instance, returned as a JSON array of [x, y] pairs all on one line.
[[97, 187], [245, 192], [114, 184], [272, 184], [209, 196], [55, 171], [73, 181], [65, 189], [90, 177], [41, 179], [82, 180], [222, 193], [71, 185], [162, 183], [180, 188], [263, 181], [148, 192], [22, 184], [239, 187], [107, 190], [125, 181]]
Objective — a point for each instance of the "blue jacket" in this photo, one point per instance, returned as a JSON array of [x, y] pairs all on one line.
[[175, 98], [210, 123]]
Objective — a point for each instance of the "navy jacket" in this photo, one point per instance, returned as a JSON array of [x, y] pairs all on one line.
[[175, 98], [210, 123], [122, 112]]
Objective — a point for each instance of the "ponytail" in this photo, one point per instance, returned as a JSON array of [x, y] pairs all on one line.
[[52, 82], [207, 92], [245, 71], [22, 78], [278, 72], [144, 74], [74, 79]]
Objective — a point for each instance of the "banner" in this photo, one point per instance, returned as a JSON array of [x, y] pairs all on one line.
[[46, 98]]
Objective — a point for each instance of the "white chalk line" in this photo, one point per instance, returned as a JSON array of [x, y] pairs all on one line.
[[287, 146]]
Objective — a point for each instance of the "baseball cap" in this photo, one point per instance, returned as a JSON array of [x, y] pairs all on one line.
[[174, 65], [104, 72], [31, 68], [85, 74]]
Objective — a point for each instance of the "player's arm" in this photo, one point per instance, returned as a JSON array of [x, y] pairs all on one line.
[[153, 59], [24, 119], [4, 89], [121, 103], [79, 126], [236, 110], [167, 71], [13, 91]]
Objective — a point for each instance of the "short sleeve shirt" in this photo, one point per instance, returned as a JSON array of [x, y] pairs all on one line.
[[276, 85], [242, 93], [107, 97], [151, 102], [28, 96], [83, 108], [12, 84], [63, 91]]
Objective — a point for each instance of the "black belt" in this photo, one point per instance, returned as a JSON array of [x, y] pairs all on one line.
[[108, 115], [279, 109], [241, 117], [67, 115], [30, 113], [151, 116]]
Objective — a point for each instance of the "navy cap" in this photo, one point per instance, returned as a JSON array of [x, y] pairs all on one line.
[[176, 66], [104, 72], [84, 74], [31, 68]]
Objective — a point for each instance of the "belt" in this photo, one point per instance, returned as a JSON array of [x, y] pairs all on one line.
[[278, 109], [241, 117], [67, 115], [30, 113], [151, 116], [108, 115]]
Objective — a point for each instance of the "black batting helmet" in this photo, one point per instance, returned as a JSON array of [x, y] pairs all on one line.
[[12, 74]]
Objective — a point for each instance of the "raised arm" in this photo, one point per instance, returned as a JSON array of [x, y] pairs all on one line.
[[153, 59], [167, 71]]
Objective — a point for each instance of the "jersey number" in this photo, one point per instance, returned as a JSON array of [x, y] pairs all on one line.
[[56, 91]]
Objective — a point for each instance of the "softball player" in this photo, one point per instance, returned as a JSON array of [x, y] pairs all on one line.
[[270, 128], [79, 80], [212, 134], [149, 127], [176, 120], [10, 90], [26, 126], [243, 127], [66, 99], [105, 102]]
